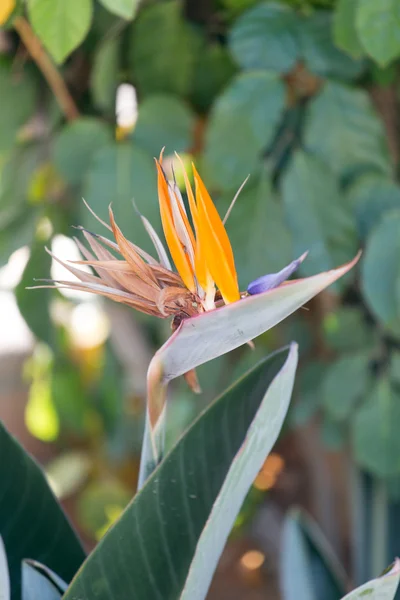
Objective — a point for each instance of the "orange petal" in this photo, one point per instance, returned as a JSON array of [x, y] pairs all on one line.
[[178, 254], [215, 244]]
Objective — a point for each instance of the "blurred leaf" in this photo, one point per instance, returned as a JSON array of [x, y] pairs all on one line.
[[394, 368], [344, 28], [18, 101], [40, 415], [242, 124], [27, 494], [378, 29], [162, 62], [213, 70], [382, 588], [319, 51], [96, 501], [316, 214], [67, 472], [34, 304], [346, 381], [260, 238], [60, 25], [104, 75], [376, 441], [122, 8], [308, 396], [39, 582], [164, 121], [333, 433], [346, 329], [380, 272], [195, 494], [371, 196], [20, 232], [355, 137], [5, 591], [76, 145], [265, 37], [69, 397], [118, 174], [309, 570]]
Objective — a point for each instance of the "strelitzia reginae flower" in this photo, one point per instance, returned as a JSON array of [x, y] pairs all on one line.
[[210, 315]]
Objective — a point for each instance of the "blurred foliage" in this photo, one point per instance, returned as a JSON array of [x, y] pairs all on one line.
[[284, 91]]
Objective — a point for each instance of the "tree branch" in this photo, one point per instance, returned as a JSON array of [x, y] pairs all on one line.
[[50, 72]]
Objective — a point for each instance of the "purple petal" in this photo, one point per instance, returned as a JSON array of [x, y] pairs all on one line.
[[272, 280]]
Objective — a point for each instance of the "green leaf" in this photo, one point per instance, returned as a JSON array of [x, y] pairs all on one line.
[[164, 121], [162, 61], [380, 273], [265, 37], [319, 51], [376, 442], [378, 27], [60, 25], [40, 582], [34, 304], [355, 137], [382, 588], [76, 145], [346, 329], [344, 28], [5, 591], [333, 433], [260, 239], [18, 101], [371, 197], [346, 381], [104, 75], [213, 70], [118, 174], [26, 493], [244, 119], [16, 234], [122, 8], [180, 520], [309, 568], [316, 214], [307, 398]]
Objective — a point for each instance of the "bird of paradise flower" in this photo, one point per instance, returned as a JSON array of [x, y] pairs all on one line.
[[210, 315]]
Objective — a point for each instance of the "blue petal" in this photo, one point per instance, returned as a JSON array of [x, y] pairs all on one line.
[[268, 282]]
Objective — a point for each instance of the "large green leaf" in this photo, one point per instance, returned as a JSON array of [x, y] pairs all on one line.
[[265, 37], [309, 568], [34, 304], [355, 137], [346, 381], [344, 28], [371, 197], [162, 49], [242, 124], [316, 214], [164, 121], [260, 238], [104, 75], [18, 101], [5, 591], [376, 440], [381, 271], [122, 8], [381, 588], [60, 25], [320, 53], [347, 329], [76, 145], [378, 27], [168, 541], [213, 70], [32, 523], [118, 174]]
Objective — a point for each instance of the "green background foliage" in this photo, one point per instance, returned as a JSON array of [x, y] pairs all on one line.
[[300, 94]]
